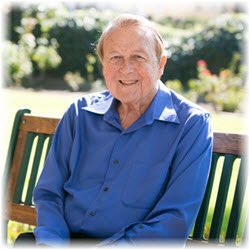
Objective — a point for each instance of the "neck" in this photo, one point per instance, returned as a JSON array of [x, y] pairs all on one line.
[[130, 112]]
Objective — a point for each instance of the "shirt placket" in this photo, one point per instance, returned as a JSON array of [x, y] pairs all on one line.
[[115, 165]]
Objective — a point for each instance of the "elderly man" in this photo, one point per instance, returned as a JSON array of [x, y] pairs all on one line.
[[130, 164]]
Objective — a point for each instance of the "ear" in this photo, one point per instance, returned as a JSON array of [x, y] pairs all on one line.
[[162, 64]]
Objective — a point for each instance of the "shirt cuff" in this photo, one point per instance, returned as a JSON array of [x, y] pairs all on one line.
[[44, 237]]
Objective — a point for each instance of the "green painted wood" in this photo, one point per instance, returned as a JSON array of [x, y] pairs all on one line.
[[221, 198], [198, 232], [9, 157], [12, 143], [35, 166], [17, 198], [239, 194]]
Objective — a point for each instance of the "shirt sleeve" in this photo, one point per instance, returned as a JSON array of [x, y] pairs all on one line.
[[49, 195], [173, 216]]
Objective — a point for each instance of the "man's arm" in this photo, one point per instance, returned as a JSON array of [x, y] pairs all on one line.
[[173, 216], [48, 195]]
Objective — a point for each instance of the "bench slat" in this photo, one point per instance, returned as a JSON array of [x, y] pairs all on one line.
[[21, 213], [221, 198], [198, 232], [42, 125], [17, 198], [35, 166], [15, 133], [236, 211], [229, 144]]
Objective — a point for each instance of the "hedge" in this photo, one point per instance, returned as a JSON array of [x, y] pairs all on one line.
[[76, 32], [216, 44]]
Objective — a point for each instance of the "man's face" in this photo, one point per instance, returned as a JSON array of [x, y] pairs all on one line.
[[130, 66]]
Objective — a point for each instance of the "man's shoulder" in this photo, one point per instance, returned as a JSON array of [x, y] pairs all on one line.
[[186, 108]]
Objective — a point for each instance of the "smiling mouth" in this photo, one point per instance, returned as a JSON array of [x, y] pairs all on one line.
[[128, 82]]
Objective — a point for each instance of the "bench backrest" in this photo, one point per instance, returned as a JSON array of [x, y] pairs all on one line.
[[222, 217], [31, 139]]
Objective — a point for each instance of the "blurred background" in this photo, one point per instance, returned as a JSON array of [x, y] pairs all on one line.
[[52, 47], [49, 58]]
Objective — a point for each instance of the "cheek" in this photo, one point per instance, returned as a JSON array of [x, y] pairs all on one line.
[[110, 79], [107, 73], [150, 72]]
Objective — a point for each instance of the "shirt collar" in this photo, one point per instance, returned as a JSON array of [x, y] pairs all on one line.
[[162, 107], [98, 103]]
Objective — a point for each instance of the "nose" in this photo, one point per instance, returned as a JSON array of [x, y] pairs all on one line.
[[127, 67]]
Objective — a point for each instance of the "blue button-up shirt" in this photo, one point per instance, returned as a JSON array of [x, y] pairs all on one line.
[[125, 185]]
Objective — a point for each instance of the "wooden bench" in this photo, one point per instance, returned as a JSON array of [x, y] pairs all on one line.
[[31, 139]]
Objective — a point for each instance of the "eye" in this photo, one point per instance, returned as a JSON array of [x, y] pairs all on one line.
[[139, 58], [115, 59]]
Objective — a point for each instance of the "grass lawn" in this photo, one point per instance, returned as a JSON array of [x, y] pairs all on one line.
[[54, 104]]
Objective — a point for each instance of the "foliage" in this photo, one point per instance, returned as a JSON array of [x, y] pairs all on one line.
[[188, 22], [20, 58], [56, 46], [224, 91], [14, 20], [46, 57], [64, 40], [17, 64], [175, 85], [74, 80], [216, 43]]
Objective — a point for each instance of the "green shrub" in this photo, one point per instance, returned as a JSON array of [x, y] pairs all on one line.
[[175, 85], [46, 57], [17, 63], [14, 17], [29, 53], [65, 41], [224, 91], [75, 32], [216, 43]]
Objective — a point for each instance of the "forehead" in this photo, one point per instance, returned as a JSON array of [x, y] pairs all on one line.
[[131, 37]]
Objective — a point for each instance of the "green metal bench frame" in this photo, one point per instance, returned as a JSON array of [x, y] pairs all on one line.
[[31, 138]]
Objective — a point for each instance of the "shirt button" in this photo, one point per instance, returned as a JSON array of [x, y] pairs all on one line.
[[116, 161], [105, 189], [92, 213]]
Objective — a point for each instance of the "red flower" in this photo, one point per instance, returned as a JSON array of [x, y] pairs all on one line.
[[206, 72], [201, 63]]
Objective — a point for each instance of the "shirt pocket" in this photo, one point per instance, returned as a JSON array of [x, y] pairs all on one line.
[[145, 184]]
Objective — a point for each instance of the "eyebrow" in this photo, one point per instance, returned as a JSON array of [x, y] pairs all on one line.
[[114, 52]]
